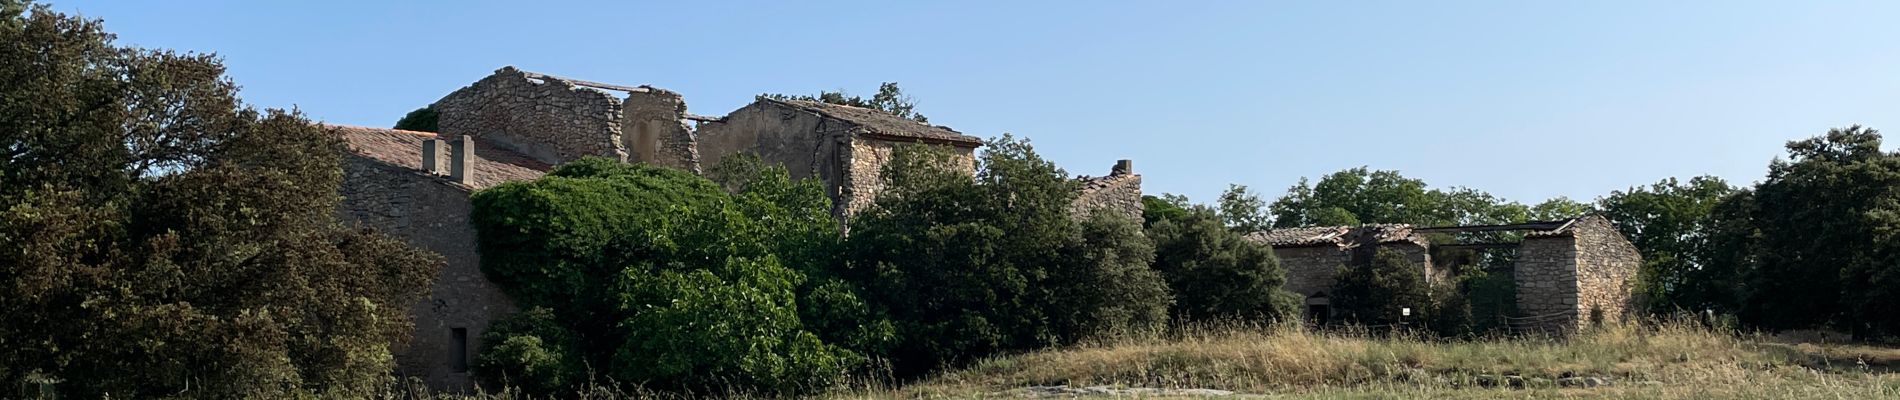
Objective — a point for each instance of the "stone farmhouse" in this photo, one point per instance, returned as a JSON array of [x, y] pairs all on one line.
[[1568, 273], [516, 125]]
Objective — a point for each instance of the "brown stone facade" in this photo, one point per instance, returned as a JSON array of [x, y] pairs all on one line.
[[1568, 273], [430, 212], [1575, 276], [844, 147], [515, 125]]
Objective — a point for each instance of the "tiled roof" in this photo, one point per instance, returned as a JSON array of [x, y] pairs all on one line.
[[403, 148], [1300, 236], [1335, 235], [1090, 184], [882, 123]]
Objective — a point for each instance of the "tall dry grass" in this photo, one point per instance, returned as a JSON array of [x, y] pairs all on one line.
[[1672, 360]]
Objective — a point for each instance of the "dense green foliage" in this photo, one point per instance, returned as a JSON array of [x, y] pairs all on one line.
[[1243, 211], [158, 238], [1214, 272], [1375, 294], [1361, 196], [422, 119], [661, 278], [968, 266], [889, 98], [531, 351], [1669, 222], [1827, 254]]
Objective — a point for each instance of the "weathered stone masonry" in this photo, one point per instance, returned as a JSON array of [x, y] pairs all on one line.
[[845, 147], [514, 125], [387, 186], [1568, 273], [554, 119], [1119, 192]]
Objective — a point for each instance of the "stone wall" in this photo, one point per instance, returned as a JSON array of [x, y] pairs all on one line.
[[429, 213], [1606, 261], [654, 130], [1311, 270], [1546, 277], [865, 168], [807, 144], [551, 120], [1118, 193], [810, 145]]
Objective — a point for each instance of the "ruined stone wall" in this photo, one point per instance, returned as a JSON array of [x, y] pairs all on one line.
[[654, 130], [432, 214], [865, 166], [1546, 277], [805, 142], [1121, 195], [1311, 269], [1605, 263], [552, 120], [810, 146]]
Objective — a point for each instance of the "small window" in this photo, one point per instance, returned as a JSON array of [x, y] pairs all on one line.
[[459, 343]]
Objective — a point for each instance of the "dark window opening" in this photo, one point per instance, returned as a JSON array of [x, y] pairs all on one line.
[[1319, 313], [459, 360]]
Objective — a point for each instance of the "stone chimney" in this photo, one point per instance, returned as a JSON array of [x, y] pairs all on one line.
[[462, 160], [432, 156], [1123, 167]]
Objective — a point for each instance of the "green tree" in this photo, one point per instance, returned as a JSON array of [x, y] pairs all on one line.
[[1824, 216], [1374, 294], [1216, 273], [1670, 222], [889, 98], [1166, 206], [161, 239], [662, 278], [422, 119], [1243, 212], [967, 266]]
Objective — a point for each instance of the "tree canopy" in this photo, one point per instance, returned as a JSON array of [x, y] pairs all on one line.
[[161, 238], [658, 277], [965, 266]]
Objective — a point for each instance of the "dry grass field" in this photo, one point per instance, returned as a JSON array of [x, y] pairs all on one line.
[[1666, 361]]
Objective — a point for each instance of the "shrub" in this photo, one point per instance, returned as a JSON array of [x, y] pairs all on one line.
[[422, 119], [1375, 294], [529, 351], [1216, 273], [659, 274], [968, 267]]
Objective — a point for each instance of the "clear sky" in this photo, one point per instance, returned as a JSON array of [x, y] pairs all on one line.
[[1526, 100]]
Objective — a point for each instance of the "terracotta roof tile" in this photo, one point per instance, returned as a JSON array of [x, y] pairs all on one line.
[[1335, 235], [882, 123], [403, 148]]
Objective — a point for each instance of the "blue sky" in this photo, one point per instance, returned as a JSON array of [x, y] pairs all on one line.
[[1526, 100]]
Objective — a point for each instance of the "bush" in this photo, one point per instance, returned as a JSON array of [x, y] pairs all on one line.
[[659, 274], [1216, 273], [1374, 294], [529, 351], [422, 119], [968, 267]]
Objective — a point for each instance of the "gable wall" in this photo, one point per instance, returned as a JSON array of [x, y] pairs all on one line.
[[552, 121], [431, 214]]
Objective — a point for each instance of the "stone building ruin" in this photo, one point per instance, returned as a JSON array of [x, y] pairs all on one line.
[[516, 125], [1568, 273]]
